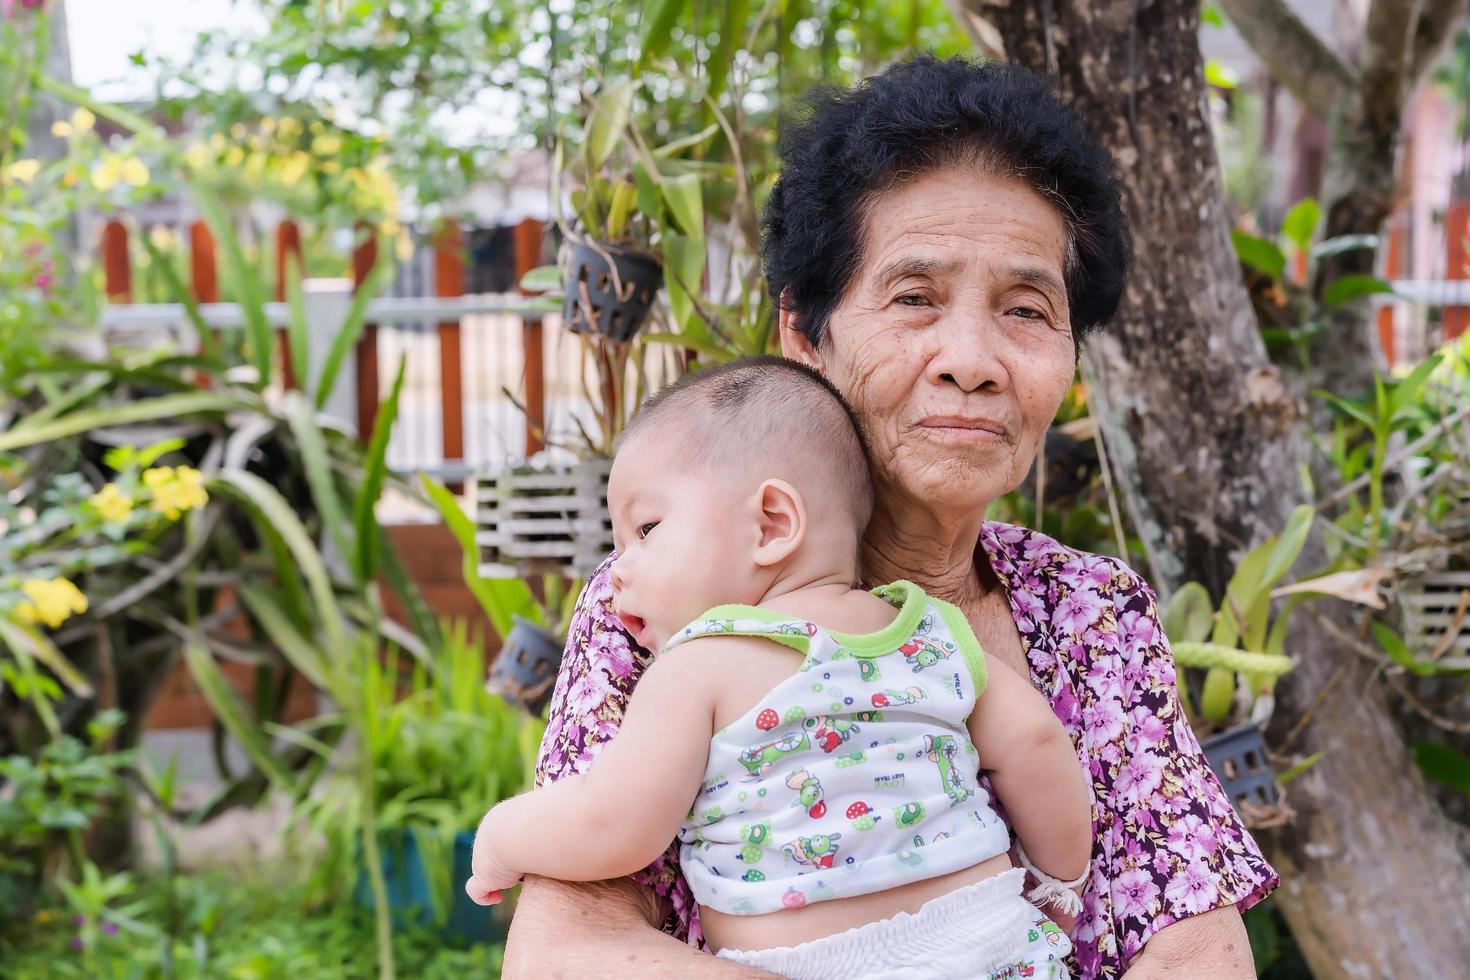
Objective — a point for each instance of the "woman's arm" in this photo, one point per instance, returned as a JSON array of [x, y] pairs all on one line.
[[1210, 946], [601, 929]]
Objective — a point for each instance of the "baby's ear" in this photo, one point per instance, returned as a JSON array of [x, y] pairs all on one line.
[[782, 522]]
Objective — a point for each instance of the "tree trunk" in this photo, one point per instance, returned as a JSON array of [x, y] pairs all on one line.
[[1207, 444]]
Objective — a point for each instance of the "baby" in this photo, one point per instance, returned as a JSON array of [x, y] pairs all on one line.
[[813, 746]]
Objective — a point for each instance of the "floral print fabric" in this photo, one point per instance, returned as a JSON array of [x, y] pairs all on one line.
[[1166, 842]]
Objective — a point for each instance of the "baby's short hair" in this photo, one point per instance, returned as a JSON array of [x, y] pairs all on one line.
[[765, 412]]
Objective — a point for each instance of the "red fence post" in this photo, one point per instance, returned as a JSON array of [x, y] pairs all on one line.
[[203, 272], [288, 245], [528, 255], [116, 270], [1394, 267], [1456, 224], [449, 282], [364, 258]]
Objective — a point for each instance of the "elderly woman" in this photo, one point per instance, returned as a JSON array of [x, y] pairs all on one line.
[[941, 240]]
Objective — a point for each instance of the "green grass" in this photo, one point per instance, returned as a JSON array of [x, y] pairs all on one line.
[[232, 929]]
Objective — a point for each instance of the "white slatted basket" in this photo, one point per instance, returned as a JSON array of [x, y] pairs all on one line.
[[531, 522], [1431, 606]]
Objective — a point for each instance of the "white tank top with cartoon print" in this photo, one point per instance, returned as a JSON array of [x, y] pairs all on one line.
[[854, 775]]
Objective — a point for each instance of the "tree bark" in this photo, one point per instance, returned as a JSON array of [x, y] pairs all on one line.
[[1207, 444]]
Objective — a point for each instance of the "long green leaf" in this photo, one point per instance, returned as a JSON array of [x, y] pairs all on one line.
[[683, 269], [349, 331], [148, 410], [296, 325], [232, 713], [656, 29], [611, 111], [1344, 289], [685, 196], [318, 467], [1443, 764], [502, 599], [208, 342], [260, 338], [732, 37], [1259, 254], [267, 501], [296, 648], [375, 471], [1189, 614], [27, 640]]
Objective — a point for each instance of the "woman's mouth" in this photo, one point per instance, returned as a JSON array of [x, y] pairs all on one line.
[[966, 428]]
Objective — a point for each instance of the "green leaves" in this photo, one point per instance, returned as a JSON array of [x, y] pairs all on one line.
[[1300, 223], [606, 124], [22, 435], [374, 475], [1443, 764], [349, 331], [233, 714], [659, 17], [259, 337], [1258, 253], [1345, 289]]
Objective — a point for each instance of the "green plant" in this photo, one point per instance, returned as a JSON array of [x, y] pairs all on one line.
[[440, 750], [52, 796], [1240, 639]]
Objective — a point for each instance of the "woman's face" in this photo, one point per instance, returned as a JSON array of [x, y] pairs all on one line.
[[954, 340]]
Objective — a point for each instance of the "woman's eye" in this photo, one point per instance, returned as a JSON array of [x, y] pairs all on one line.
[[1027, 313], [913, 299], [645, 529]]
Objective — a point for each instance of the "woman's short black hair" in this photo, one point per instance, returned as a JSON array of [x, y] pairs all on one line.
[[852, 144]]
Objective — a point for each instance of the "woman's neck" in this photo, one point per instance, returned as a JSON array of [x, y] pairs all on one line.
[[935, 551]]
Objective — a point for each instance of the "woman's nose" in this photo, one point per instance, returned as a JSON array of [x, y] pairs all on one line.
[[969, 357]]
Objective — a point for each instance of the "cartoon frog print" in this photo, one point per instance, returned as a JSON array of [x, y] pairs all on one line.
[[830, 733], [891, 698], [943, 751], [924, 653], [818, 851], [758, 759], [808, 793]]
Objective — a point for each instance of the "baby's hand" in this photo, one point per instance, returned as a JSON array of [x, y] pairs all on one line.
[[490, 878]]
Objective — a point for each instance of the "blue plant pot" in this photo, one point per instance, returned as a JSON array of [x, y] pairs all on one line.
[[409, 891]]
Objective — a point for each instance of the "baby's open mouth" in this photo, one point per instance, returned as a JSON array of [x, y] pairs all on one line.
[[633, 624]]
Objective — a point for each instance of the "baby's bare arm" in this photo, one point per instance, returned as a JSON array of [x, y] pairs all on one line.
[[616, 818], [1035, 772]]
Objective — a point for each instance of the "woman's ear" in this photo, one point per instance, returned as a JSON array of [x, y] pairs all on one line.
[[782, 518], [794, 343]]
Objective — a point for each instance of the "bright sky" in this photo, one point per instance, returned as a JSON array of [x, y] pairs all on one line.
[[103, 33]]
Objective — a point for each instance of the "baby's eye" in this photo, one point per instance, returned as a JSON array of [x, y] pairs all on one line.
[[645, 529]]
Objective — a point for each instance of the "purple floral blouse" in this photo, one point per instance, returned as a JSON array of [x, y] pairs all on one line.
[[1166, 842]]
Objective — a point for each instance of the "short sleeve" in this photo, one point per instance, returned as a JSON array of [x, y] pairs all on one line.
[[1173, 845], [599, 669]]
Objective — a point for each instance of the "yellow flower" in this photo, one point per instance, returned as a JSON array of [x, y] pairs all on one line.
[[107, 174], [175, 490], [294, 168], [61, 128], [23, 170], [135, 172], [198, 156], [112, 504], [82, 121], [326, 144], [50, 601]]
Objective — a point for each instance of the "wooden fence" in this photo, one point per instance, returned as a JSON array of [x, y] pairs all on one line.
[[447, 261]]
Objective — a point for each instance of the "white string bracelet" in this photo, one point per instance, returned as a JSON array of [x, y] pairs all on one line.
[[1054, 890]]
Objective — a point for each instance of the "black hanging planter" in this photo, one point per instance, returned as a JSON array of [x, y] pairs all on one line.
[[525, 670], [596, 303], [1238, 757]]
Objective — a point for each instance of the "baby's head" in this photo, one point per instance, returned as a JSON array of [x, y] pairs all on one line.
[[729, 483]]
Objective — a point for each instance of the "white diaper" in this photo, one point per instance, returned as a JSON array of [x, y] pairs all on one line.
[[986, 930]]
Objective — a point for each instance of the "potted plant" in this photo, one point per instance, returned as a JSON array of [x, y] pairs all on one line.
[[636, 211], [1241, 651], [442, 750]]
